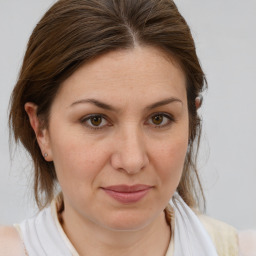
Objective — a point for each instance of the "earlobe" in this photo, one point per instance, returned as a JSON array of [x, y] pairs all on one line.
[[41, 133]]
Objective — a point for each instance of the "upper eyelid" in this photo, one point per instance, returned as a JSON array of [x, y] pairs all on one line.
[[107, 118], [165, 114], [86, 117]]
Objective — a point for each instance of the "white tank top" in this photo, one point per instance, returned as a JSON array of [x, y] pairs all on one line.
[[44, 236]]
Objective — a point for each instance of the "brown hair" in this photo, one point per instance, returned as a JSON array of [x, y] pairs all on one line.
[[73, 32]]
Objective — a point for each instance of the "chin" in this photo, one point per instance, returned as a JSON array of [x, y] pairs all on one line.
[[128, 222]]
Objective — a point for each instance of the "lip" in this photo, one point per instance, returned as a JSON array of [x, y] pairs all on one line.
[[128, 194]]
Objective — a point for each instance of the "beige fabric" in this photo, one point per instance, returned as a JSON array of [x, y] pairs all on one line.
[[224, 236]]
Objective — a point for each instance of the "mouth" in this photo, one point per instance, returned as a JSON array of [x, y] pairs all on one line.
[[127, 194]]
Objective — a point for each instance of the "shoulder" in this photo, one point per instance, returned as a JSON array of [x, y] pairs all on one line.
[[10, 242], [217, 226], [224, 236], [228, 240], [247, 242]]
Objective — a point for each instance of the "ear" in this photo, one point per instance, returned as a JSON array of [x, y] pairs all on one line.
[[199, 101], [42, 134]]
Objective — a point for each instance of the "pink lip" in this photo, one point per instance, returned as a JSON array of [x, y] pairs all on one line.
[[127, 194]]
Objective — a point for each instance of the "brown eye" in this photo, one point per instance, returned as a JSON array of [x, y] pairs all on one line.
[[157, 120], [160, 120], [96, 120]]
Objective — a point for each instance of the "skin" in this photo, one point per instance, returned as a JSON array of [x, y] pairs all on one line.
[[87, 159], [136, 142], [10, 242]]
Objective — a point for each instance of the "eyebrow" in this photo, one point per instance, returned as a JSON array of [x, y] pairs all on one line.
[[163, 102], [106, 106], [94, 102]]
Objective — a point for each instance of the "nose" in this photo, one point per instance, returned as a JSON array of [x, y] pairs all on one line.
[[130, 154]]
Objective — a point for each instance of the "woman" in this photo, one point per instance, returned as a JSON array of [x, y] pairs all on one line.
[[106, 105]]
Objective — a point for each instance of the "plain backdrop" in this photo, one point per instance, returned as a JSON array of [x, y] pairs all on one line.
[[225, 35]]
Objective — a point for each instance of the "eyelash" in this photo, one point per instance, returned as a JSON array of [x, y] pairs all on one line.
[[170, 119], [84, 120]]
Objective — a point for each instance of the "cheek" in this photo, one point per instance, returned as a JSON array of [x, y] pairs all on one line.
[[169, 160], [76, 159]]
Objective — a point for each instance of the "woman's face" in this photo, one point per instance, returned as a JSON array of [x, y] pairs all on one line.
[[118, 134]]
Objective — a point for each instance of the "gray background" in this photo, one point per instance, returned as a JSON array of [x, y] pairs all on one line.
[[225, 34]]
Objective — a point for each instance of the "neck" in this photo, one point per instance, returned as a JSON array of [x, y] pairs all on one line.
[[91, 239]]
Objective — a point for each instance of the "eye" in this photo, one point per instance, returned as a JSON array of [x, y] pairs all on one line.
[[95, 121], [161, 120], [157, 120]]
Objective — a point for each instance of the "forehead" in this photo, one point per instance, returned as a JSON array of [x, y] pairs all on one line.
[[142, 71]]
